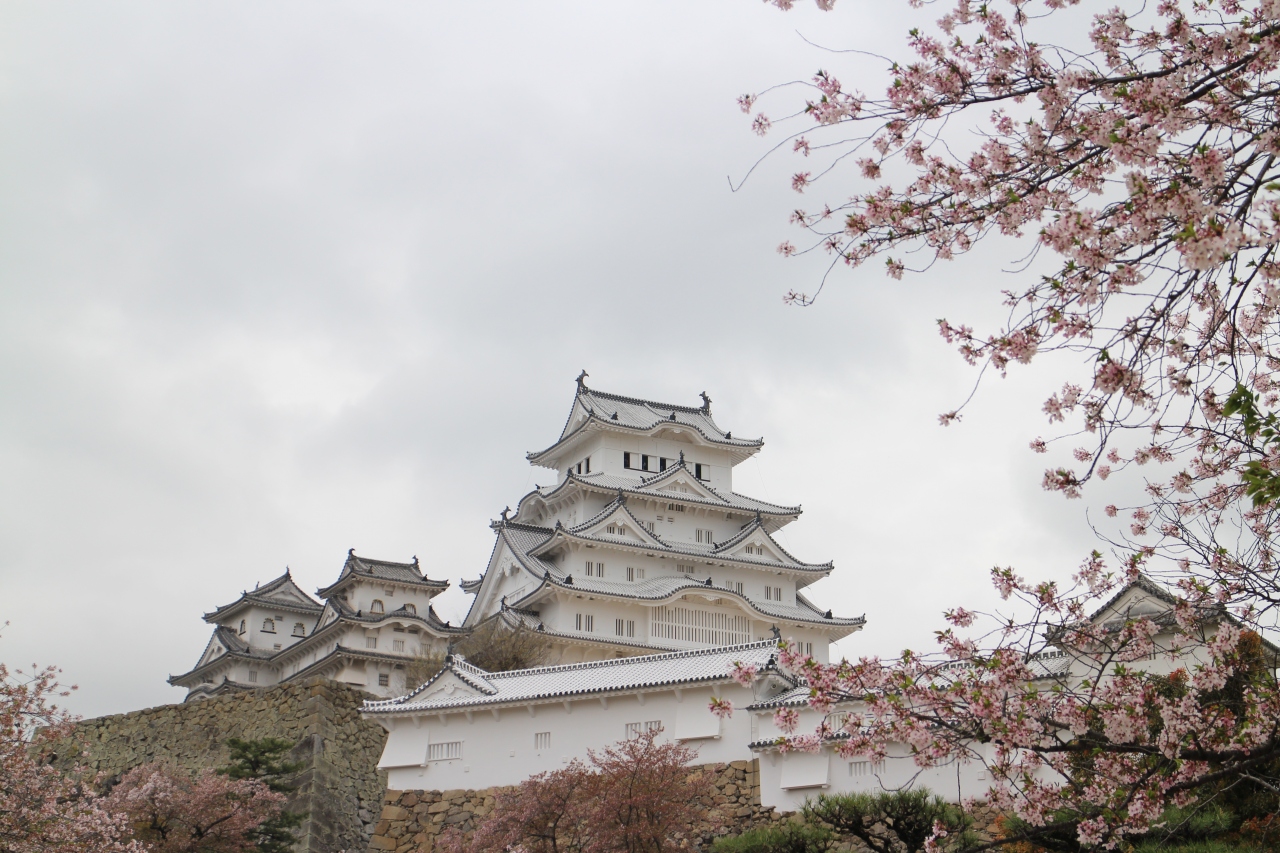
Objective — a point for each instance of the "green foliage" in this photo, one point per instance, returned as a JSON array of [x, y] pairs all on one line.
[[266, 759], [789, 837], [1261, 484], [891, 822], [1217, 846]]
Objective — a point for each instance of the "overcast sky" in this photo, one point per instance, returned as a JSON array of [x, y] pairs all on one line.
[[282, 279]]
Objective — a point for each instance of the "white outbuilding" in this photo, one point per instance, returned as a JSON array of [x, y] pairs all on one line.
[[468, 728]]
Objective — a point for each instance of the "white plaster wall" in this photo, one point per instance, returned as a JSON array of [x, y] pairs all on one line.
[[898, 771], [500, 750]]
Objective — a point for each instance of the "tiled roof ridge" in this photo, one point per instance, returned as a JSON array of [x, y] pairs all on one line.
[[673, 549], [682, 584], [759, 525], [579, 667], [651, 404], [1142, 582], [642, 490], [592, 417]]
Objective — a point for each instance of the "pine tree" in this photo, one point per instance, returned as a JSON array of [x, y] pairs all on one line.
[[266, 759]]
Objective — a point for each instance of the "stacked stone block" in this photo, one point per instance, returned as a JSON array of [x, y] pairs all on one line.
[[340, 789], [411, 821]]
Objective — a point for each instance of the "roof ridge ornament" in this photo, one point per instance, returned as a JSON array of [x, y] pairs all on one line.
[[582, 385], [415, 561], [506, 510], [706, 403], [681, 457], [777, 634]]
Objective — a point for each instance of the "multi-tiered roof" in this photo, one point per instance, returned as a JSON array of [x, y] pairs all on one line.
[[371, 622], [643, 517]]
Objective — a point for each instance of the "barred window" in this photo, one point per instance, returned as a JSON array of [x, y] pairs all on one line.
[[542, 740], [634, 730], [693, 625], [444, 751]]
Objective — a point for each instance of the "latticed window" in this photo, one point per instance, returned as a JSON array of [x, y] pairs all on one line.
[[625, 627], [634, 574], [636, 729], [585, 622], [384, 679], [376, 607], [542, 740], [444, 751], [411, 608], [269, 626], [694, 625], [685, 568], [299, 630], [397, 645], [705, 537], [595, 569]]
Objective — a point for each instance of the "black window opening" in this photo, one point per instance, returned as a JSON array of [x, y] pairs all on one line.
[[640, 462], [583, 467], [702, 472]]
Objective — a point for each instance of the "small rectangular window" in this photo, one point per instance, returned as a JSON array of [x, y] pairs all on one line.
[[397, 645], [662, 463], [444, 751], [644, 462], [704, 537], [649, 524], [424, 650], [634, 574], [595, 569], [865, 768], [370, 642], [808, 649], [702, 472], [542, 741], [588, 464], [685, 568], [636, 729], [626, 459], [276, 647], [611, 529], [384, 679], [253, 676], [585, 622]]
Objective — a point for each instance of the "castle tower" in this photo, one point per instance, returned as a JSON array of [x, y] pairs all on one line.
[[370, 624], [642, 544]]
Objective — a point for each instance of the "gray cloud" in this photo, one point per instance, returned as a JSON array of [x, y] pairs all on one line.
[[282, 280]]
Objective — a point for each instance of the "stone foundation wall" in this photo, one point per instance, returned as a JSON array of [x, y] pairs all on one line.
[[340, 788], [412, 820]]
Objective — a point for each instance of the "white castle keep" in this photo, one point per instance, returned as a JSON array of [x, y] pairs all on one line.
[[641, 546]]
